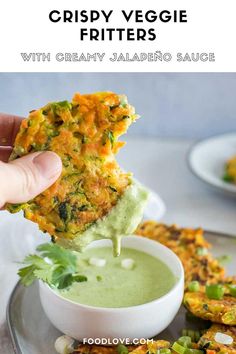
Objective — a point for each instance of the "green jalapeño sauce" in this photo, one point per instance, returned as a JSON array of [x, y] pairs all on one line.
[[122, 220], [132, 279]]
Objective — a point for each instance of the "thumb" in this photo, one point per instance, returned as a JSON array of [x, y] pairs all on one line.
[[28, 176]]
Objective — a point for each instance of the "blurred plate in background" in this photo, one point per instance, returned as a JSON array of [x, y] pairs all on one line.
[[207, 160], [155, 208]]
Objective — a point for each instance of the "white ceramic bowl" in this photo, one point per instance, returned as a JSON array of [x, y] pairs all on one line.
[[142, 321]]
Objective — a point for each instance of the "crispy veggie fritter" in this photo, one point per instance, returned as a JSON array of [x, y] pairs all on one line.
[[230, 171], [84, 133], [140, 349], [219, 311], [151, 347], [211, 341], [95, 349], [190, 246], [229, 284]]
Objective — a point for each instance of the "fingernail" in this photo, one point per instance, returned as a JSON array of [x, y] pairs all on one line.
[[48, 163]]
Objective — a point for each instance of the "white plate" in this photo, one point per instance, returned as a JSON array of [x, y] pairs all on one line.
[[207, 159], [32, 333]]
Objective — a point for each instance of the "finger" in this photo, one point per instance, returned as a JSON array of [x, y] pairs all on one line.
[[9, 126], [26, 177], [5, 153]]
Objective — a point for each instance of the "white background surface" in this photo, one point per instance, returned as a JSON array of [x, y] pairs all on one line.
[[186, 105], [161, 165], [210, 28]]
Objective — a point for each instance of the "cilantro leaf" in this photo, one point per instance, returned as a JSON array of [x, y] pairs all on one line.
[[37, 264], [55, 266], [36, 260], [27, 275], [43, 275], [58, 255], [61, 278]]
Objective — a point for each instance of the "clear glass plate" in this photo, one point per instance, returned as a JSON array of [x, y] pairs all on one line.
[[32, 333]]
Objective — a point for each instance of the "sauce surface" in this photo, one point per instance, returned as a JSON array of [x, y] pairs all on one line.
[[115, 286], [122, 220]]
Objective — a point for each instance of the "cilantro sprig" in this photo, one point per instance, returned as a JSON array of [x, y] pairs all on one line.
[[53, 265]]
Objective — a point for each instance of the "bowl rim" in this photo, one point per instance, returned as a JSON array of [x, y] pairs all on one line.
[[179, 281]]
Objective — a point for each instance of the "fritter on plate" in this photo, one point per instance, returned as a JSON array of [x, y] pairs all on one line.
[[84, 133], [140, 349], [95, 349], [230, 170], [190, 246], [229, 284], [152, 348], [219, 311], [215, 339]]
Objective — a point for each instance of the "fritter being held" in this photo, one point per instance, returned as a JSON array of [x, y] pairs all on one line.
[[84, 133]]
